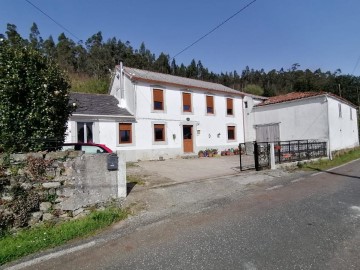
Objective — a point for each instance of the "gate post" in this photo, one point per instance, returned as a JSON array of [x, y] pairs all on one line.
[[272, 156], [256, 156], [240, 156]]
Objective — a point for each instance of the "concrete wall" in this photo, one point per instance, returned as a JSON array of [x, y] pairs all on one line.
[[343, 130], [210, 131], [298, 120]]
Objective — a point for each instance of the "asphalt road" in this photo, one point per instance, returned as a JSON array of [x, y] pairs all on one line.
[[307, 223]]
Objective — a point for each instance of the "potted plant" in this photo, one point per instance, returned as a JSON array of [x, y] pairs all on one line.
[[201, 153]]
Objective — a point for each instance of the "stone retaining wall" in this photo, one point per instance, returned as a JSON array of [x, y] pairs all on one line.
[[55, 186]]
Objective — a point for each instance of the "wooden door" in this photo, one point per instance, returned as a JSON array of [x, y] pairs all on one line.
[[188, 139]]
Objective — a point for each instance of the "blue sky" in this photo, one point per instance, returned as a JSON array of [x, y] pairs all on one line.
[[268, 34]]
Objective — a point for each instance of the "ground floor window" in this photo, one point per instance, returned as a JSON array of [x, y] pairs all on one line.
[[125, 133], [231, 132], [85, 132], [159, 132]]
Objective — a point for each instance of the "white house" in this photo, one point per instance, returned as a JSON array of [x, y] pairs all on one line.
[[160, 116], [308, 115]]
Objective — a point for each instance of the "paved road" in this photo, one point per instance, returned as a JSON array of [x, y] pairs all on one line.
[[307, 223]]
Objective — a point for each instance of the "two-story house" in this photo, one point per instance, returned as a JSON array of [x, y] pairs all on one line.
[[161, 116]]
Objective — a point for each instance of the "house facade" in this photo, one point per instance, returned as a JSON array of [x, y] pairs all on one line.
[[175, 116], [155, 116], [302, 116]]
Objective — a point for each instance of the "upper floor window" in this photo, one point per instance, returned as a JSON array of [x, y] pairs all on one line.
[[210, 104], [340, 113], [229, 106], [158, 97], [186, 102], [351, 114], [159, 132], [125, 133], [246, 104]]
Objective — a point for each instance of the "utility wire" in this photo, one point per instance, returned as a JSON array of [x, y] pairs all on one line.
[[218, 26], [63, 27]]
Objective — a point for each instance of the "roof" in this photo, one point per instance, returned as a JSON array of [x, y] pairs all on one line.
[[97, 104], [160, 78], [300, 95]]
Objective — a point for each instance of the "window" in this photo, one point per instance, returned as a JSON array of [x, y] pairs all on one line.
[[186, 102], [125, 132], [231, 132], [246, 104], [158, 97], [210, 104], [351, 114], [159, 132], [229, 106], [85, 132], [340, 113]]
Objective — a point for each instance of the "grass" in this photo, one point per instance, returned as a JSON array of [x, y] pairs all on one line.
[[338, 160], [135, 179], [33, 240]]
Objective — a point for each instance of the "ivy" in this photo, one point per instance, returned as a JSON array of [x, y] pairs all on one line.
[[34, 99]]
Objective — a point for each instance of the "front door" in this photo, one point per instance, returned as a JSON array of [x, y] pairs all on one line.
[[188, 139]]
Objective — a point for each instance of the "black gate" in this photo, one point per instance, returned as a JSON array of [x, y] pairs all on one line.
[[254, 155]]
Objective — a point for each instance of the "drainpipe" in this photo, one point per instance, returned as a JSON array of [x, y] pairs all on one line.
[[328, 124], [243, 112]]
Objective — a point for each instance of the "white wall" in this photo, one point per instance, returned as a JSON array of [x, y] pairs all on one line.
[[209, 131], [343, 130], [249, 118], [298, 120]]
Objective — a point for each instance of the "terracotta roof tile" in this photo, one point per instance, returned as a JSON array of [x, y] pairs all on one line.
[[300, 95]]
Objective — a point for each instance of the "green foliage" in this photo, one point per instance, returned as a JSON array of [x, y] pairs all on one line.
[[339, 159], [32, 240], [254, 89], [86, 84], [34, 100]]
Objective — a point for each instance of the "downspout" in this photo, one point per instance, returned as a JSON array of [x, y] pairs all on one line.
[[328, 124], [243, 112]]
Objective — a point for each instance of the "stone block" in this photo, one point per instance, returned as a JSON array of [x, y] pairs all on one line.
[[51, 185], [75, 154], [47, 216], [35, 218], [45, 206], [26, 186], [77, 212], [18, 157], [57, 155]]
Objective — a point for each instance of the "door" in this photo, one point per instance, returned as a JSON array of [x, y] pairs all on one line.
[[188, 139], [85, 132], [268, 133]]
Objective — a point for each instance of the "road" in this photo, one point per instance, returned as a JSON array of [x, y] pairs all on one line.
[[307, 223]]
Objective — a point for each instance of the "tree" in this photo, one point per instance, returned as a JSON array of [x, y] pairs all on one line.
[[34, 92], [254, 89], [36, 40]]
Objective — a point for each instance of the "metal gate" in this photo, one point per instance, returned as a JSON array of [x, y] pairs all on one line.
[[254, 155]]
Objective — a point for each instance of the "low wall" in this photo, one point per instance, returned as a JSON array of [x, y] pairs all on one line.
[[37, 187]]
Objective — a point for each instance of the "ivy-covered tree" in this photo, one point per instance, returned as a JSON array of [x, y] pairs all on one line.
[[34, 99]]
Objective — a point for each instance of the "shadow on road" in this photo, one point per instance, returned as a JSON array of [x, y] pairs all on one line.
[[335, 173]]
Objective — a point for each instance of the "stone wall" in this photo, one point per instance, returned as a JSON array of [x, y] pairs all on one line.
[[55, 186]]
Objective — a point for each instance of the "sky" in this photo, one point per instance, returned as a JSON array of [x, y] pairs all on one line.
[[268, 34]]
